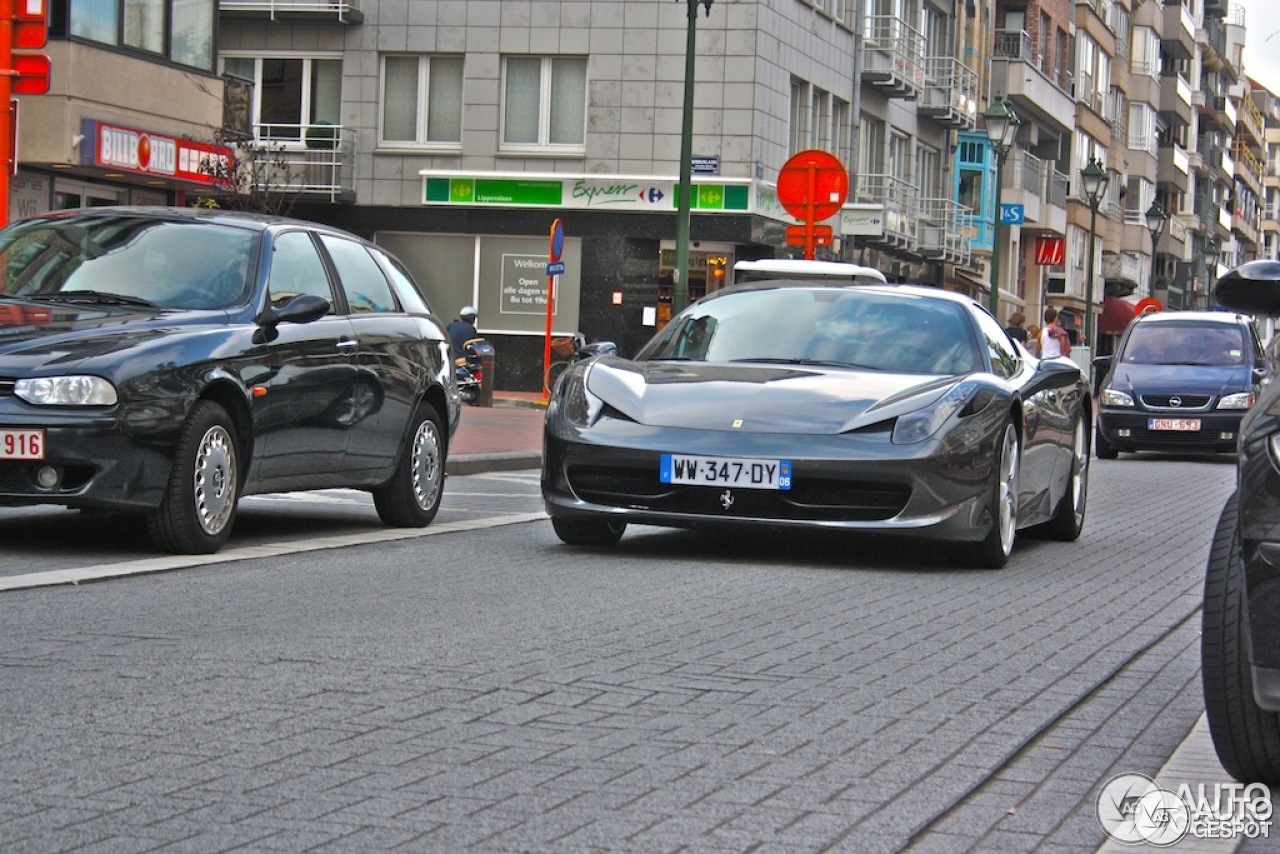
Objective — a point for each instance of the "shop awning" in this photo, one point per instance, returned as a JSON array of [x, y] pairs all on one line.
[[1116, 314]]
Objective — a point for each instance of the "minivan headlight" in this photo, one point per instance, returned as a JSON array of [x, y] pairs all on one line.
[[1239, 400], [66, 391], [1111, 397]]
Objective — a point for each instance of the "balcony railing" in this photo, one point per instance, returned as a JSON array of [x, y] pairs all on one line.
[[313, 160], [1017, 45], [894, 57], [900, 200], [942, 231], [346, 11], [951, 93]]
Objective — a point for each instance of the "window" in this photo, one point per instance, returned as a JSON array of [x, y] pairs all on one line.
[[840, 129], [422, 100], [362, 279], [820, 126], [544, 103], [799, 115], [180, 30], [296, 269], [929, 170], [1145, 52], [1004, 356], [290, 94], [871, 147], [1142, 127]]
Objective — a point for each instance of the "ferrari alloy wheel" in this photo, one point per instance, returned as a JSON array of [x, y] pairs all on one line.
[[1246, 737], [1068, 521], [585, 531], [411, 498], [993, 551], [196, 514]]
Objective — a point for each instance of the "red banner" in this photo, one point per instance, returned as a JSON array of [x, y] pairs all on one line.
[[1051, 251], [147, 152]]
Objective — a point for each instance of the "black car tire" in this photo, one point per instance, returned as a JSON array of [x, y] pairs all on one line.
[[1068, 521], [581, 531], [1102, 447], [199, 505], [992, 552], [411, 498], [1246, 737]]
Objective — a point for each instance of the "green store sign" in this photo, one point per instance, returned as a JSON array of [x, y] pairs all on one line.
[[584, 192]]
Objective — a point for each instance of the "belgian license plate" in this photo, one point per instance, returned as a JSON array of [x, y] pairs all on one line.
[[1184, 424], [21, 444], [742, 473]]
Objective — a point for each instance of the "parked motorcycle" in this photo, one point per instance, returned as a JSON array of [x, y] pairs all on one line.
[[469, 370]]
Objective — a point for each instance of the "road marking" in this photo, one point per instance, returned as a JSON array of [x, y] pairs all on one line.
[[232, 553]]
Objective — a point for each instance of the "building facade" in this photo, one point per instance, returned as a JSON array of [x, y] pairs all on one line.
[[456, 134]]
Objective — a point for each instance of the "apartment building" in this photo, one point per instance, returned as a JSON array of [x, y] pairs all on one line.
[[460, 130], [134, 101]]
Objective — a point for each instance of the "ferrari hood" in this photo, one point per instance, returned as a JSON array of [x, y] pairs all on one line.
[[758, 398]]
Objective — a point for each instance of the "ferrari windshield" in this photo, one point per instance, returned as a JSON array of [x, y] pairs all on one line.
[[842, 327], [139, 261]]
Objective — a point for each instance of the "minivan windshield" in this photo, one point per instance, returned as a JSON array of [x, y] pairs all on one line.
[[1186, 344]]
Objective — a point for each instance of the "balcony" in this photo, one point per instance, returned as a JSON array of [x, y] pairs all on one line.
[[941, 231], [316, 161], [1122, 271], [900, 208], [893, 58], [1250, 119], [342, 11], [1173, 173], [1039, 91], [950, 93], [1178, 31], [1175, 100]]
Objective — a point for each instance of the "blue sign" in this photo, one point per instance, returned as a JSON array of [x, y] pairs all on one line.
[[555, 268], [1011, 214], [704, 165]]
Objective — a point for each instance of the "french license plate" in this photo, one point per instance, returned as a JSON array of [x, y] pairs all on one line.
[[1184, 424], [21, 444], [742, 473]]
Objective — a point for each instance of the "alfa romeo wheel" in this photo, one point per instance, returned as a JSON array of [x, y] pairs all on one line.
[[411, 498], [199, 504]]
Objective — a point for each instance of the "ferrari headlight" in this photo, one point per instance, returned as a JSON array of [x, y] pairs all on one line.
[[923, 423], [1111, 397], [1239, 400], [66, 391], [581, 407]]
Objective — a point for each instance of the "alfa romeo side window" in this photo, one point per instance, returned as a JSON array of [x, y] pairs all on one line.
[[296, 269], [363, 282]]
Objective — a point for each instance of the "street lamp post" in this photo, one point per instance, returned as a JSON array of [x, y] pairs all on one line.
[[1094, 179], [680, 288], [1002, 127], [1156, 221], [1211, 253]]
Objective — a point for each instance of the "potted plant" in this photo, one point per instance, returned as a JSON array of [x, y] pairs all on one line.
[[322, 135]]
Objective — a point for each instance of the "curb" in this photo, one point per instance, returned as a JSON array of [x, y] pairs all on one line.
[[461, 464]]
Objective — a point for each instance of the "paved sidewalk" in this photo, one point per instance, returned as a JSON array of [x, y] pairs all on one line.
[[502, 437]]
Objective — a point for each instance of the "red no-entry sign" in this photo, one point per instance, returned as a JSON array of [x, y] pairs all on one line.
[[813, 185]]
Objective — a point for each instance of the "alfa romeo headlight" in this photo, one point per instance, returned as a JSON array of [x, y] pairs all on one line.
[[1239, 400], [66, 391], [1111, 397], [923, 423]]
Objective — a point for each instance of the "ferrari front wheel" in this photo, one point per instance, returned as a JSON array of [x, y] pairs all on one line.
[[993, 550]]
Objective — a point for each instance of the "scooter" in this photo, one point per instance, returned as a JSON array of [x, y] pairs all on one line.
[[469, 370]]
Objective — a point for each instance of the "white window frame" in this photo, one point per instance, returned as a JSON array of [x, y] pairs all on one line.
[[258, 57], [545, 89], [800, 116], [423, 105]]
